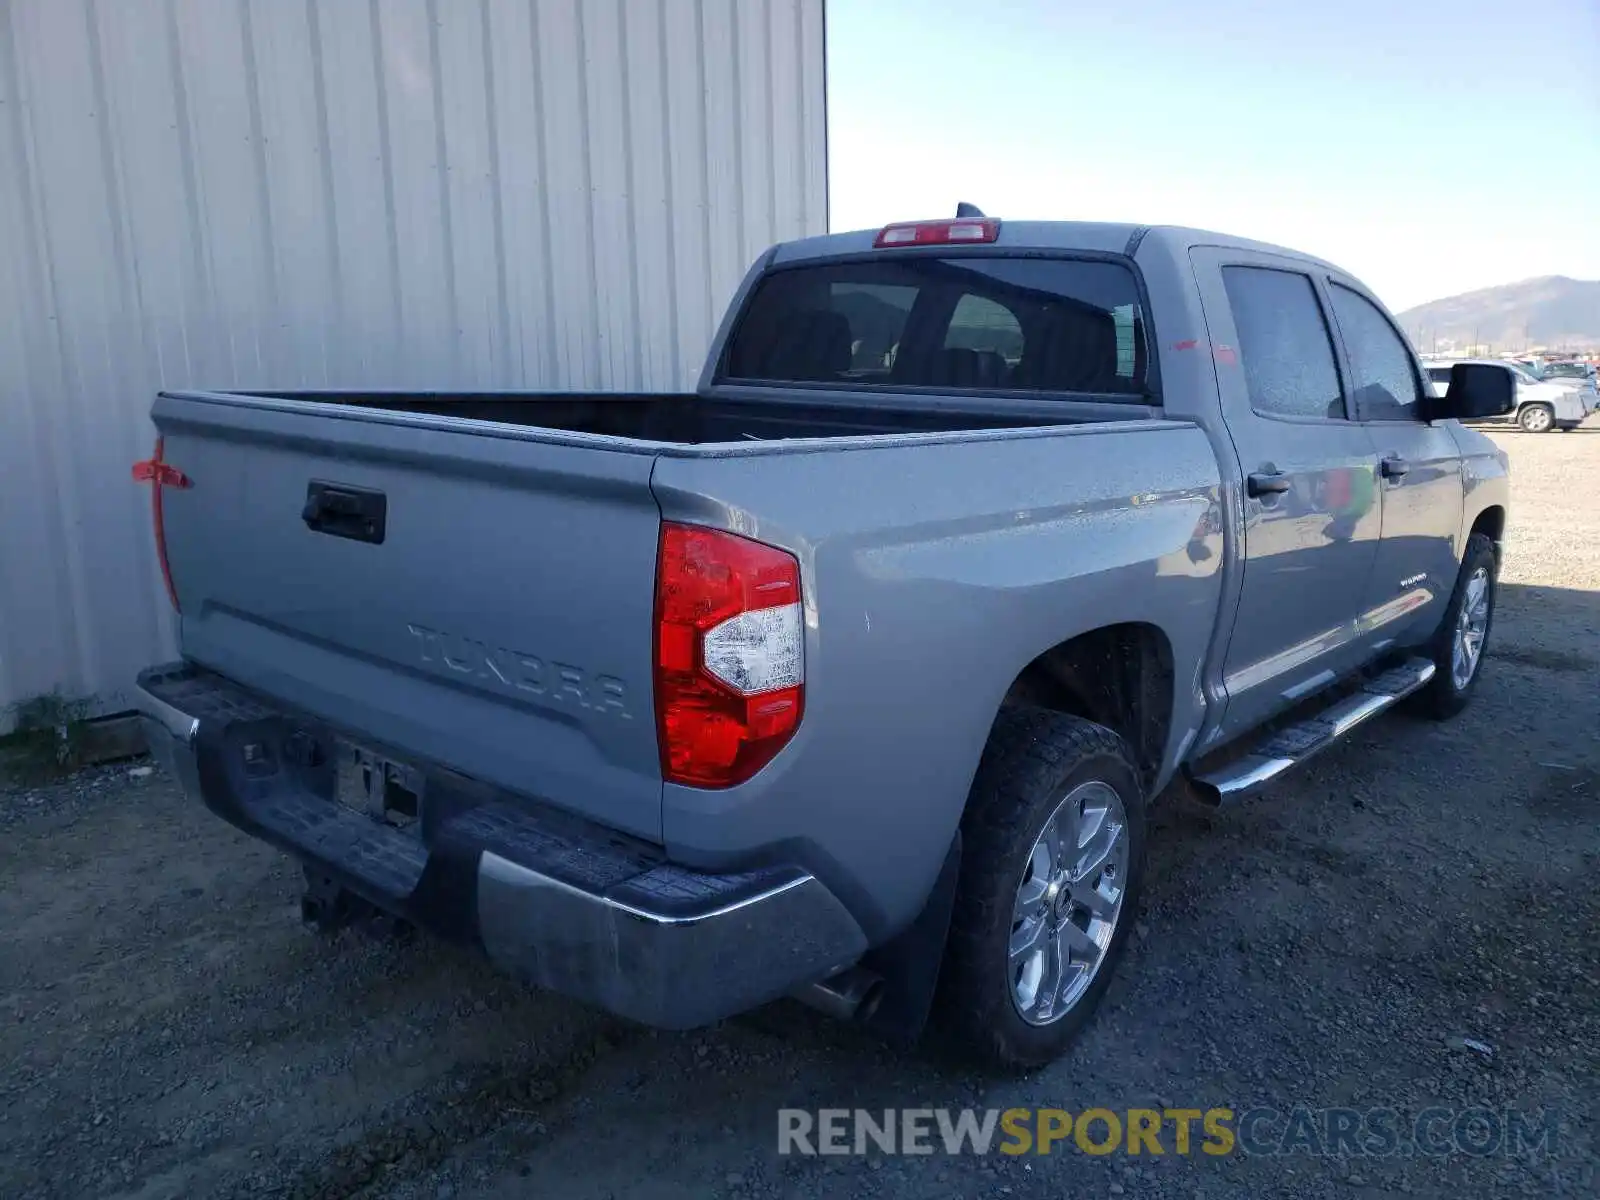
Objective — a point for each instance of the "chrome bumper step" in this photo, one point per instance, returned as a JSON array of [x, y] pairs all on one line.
[[1291, 745]]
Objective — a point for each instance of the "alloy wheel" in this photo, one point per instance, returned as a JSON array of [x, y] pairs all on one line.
[[1068, 903]]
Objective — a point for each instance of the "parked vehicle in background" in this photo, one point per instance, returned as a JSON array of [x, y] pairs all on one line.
[[1540, 405], [1580, 375], [852, 674]]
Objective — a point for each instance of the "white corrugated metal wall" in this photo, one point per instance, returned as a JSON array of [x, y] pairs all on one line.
[[394, 193]]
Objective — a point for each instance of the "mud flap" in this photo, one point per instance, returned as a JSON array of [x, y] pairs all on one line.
[[909, 963]]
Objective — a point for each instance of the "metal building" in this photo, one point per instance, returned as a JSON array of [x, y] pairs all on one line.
[[395, 193]]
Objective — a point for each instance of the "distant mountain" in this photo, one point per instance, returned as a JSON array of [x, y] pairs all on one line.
[[1552, 312]]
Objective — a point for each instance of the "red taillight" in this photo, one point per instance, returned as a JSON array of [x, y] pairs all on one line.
[[729, 656], [160, 476], [961, 231]]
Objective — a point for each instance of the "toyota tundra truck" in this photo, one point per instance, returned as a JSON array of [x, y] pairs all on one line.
[[852, 675]]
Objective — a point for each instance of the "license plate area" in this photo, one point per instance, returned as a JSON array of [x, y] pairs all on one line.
[[379, 787]]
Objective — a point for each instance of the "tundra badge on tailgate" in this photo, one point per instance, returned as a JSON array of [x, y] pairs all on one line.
[[516, 670]]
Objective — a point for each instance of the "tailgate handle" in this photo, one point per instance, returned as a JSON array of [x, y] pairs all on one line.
[[340, 510]]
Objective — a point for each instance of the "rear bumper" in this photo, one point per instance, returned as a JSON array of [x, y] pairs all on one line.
[[555, 900]]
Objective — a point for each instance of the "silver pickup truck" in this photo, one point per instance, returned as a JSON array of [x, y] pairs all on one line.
[[850, 676]]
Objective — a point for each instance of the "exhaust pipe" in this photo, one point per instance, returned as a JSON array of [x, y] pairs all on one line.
[[851, 994], [326, 906]]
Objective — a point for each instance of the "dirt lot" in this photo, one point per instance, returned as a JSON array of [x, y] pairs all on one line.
[[167, 1027]]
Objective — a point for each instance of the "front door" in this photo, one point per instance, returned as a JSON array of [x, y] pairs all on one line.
[[1420, 473], [1311, 516]]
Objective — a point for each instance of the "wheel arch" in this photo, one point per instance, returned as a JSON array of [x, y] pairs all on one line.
[[1491, 522], [1120, 676]]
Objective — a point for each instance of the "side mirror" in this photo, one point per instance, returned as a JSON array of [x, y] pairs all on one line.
[[1478, 391]]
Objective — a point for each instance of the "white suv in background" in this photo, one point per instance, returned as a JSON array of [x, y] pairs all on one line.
[[1541, 406]]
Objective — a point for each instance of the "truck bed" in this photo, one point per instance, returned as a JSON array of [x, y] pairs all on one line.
[[382, 562], [688, 419]]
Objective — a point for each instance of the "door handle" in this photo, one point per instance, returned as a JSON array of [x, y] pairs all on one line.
[[1394, 466], [1266, 483]]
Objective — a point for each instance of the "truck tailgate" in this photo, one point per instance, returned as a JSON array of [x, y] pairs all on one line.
[[481, 597]]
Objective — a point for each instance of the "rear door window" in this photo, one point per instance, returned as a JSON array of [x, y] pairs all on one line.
[[1284, 344], [957, 324]]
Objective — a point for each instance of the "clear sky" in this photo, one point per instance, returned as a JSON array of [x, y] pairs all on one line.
[[1428, 146]]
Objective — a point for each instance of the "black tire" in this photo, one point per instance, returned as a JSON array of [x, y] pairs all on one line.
[[1443, 697], [1034, 759], [1536, 418]]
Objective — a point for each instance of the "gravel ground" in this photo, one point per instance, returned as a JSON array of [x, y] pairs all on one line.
[[167, 1027]]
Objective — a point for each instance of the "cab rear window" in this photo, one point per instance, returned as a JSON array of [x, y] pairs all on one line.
[[952, 323]]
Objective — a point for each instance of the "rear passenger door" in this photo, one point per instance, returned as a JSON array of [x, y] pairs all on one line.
[[1311, 518], [1419, 468]]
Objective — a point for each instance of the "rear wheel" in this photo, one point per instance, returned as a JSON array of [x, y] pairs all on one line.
[[1463, 636], [1053, 842], [1536, 418]]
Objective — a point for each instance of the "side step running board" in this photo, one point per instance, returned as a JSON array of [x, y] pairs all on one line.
[[1294, 744]]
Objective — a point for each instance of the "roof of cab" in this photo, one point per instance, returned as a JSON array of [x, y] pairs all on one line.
[[1095, 236], [1017, 235]]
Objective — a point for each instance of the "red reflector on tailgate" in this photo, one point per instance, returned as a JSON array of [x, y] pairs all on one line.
[[153, 471], [160, 476]]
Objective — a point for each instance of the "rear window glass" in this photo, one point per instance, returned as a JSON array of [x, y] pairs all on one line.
[[958, 324]]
